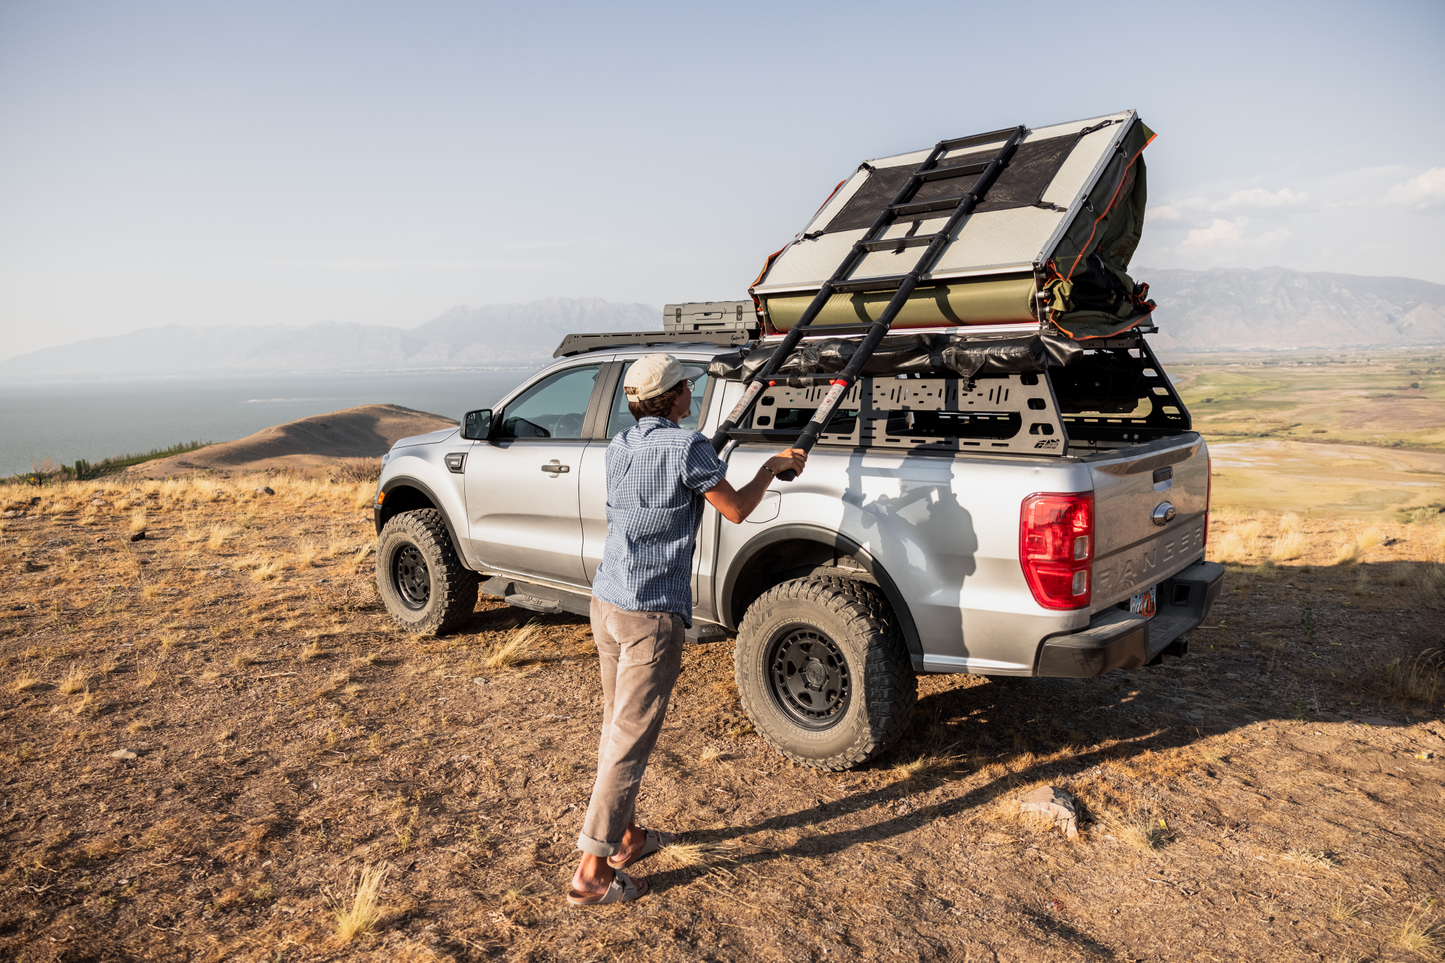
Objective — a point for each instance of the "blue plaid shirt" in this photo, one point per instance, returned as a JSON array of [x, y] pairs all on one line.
[[656, 476]]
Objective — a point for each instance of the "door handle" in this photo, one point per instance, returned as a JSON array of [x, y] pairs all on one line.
[[555, 468]]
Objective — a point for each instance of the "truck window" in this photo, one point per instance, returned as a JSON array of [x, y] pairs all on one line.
[[620, 419], [553, 408]]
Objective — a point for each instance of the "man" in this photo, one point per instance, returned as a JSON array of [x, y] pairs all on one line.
[[657, 477]]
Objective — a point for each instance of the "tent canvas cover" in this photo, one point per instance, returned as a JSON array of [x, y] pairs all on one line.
[[1048, 243]]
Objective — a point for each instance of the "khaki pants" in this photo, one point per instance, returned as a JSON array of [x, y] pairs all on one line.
[[640, 655]]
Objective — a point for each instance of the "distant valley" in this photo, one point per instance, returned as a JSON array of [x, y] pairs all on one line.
[[1217, 310]]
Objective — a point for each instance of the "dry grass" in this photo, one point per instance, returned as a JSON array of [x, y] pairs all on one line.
[[308, 553], [1230, 547], [1418, 933], [1425, 587], [1347, 553], [1250, 530], [696, 855], [1290, 545], [268, 570], [911, 769], [1342, 909], [138, 520], [1312, 857], [1369, 538], [76, 680], [1145, 834], [24, 682], [1421, 679], [710, 755], [219, 534], [514, 649], [360, 910]]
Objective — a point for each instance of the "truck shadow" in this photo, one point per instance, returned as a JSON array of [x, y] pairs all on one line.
[[1036, 730]]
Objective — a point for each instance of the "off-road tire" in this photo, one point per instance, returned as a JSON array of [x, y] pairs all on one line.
[[825, 619], [425, 587]]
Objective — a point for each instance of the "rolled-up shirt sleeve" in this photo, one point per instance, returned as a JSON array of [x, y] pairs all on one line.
[[702, 469]]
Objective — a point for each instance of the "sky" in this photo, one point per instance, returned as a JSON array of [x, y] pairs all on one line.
[[288, 163]]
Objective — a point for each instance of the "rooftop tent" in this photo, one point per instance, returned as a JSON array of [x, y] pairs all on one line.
[[1049, 242]]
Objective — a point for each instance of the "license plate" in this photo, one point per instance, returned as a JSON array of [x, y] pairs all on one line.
[[1145, 603]]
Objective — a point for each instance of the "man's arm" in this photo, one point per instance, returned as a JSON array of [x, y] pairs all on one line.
[[736, 504]]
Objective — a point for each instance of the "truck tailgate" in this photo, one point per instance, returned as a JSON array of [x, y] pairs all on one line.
[[1139, 540]]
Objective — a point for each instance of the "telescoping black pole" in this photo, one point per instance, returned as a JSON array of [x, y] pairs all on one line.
[[879, 327], [795, 334]]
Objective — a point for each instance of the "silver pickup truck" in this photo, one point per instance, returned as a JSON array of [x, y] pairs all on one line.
[[1017, 523]]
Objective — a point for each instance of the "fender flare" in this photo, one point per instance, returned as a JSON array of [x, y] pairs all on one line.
[[795, 532], [410, 481]]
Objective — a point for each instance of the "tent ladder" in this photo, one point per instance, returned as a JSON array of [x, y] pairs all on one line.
[[902, 285]]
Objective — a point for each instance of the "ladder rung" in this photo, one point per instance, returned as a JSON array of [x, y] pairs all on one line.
[[892, 243], [978, 139], [957, 170], [872, 284], [923, 207]]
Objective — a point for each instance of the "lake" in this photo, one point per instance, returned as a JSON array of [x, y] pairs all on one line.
[[67, 420]]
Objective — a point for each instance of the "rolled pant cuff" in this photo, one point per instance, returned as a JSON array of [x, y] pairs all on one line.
[[596, 847]]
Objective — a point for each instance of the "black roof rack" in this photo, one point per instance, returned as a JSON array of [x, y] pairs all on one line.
[[583, 343]]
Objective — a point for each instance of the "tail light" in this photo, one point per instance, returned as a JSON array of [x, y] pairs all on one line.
[[1208, 493], [1056, 548]]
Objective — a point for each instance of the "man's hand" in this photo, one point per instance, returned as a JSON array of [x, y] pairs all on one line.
[[794, 458], [736, 504]]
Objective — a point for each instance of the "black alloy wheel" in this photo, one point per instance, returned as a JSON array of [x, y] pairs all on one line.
[[809, 677], [411, 577]]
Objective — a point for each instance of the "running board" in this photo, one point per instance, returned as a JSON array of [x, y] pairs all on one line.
[[536, 598], [546, 600]]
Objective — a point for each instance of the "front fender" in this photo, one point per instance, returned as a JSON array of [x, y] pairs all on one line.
[[405, 493]]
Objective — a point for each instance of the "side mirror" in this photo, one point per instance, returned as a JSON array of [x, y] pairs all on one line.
[[477, 425]]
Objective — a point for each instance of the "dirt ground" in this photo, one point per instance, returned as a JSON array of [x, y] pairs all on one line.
[[1278, 794]]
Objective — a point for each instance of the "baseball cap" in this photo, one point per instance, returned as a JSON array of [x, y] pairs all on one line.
[[654, 375]]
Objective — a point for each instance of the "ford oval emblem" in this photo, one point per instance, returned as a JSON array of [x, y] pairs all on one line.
[[1164, 514]]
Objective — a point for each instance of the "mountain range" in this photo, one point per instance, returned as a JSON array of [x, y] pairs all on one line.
[[1273, 308], [1217, 310], [493, 336]]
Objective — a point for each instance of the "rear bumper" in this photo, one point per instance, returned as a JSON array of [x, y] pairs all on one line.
[[1116, 639]]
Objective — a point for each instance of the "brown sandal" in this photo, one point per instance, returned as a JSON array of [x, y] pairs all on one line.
[[624, 889]]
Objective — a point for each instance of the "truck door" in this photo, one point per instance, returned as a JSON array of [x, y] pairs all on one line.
[[522, 484], [593, 491]]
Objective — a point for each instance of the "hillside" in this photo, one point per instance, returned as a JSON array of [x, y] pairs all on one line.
[[305, 446], [206, 734]]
